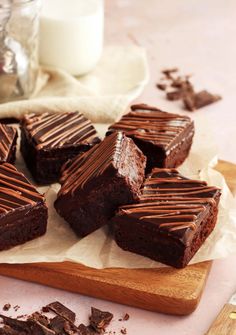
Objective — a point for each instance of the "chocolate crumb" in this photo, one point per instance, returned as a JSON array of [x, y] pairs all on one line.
[[161, 86], [168, 72], [174, 95], [16, 308], [123, 331], [6, 307], [126, 317]]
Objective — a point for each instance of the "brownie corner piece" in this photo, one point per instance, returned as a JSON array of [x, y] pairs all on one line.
[[23, 212], [98, 181], [165, 138], [8, 139], [174, 217], [48, 140]]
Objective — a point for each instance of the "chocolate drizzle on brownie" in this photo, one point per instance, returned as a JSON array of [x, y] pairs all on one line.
[[55, 130], [15, 191], [172, 202], [94, 162], [7, 135], [151, 124]]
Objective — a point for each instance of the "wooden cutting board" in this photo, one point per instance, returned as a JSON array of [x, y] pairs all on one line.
[[164, 290]]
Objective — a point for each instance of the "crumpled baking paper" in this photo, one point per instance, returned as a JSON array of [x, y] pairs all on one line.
[[99, 250]]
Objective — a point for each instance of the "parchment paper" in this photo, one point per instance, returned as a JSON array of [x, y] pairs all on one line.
[[99, 250]]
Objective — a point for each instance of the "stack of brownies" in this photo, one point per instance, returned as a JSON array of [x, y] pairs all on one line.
[[129, 181]]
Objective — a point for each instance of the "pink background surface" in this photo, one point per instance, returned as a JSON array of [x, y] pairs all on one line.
[[199, 38]]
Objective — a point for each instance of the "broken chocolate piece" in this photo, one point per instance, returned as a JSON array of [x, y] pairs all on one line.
[[84, 330], [40, 318], [174, 95], [29, 327], [62, 310], [161, 86], [126, 317], [123, 331], [99, 320], [168, 72], [199, 100], [57, 324], [6, 307]]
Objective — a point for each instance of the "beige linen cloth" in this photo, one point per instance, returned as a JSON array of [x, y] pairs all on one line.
[[102, 95]]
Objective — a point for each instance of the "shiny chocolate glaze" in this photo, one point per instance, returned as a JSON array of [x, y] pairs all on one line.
[[54, 130], [172, 204]]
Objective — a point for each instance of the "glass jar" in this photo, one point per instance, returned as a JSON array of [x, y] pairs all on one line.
[[19, 27]]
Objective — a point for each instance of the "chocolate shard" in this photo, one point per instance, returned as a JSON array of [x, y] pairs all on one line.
[[199, 100], [86, 330], [62, 311], [6, 330], [99, 320], [39, 318], [29, 327], [174, 95], [57, 324], [161, 86]]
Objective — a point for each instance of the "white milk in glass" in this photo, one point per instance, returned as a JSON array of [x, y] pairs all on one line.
[[71, 34]]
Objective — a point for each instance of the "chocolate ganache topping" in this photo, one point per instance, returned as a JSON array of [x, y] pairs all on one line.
[[15, 190], [151, 124], [7, 135], [172, 203], [55, 130], [92, 163]]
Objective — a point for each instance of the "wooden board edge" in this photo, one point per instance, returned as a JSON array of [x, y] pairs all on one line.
[[108, 291]]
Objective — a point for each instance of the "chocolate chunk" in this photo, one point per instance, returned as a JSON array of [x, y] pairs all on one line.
[[6, 307], [6, 330], [86, 330], [126, 317], [199, 100], [123, 331], [161, 86], [40, 318], [174, 95], [189, 102], [57, 324], [62, 310], [99, 320], [28, 327]]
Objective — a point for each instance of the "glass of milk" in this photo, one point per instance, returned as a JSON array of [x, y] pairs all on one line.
[[71, 34]]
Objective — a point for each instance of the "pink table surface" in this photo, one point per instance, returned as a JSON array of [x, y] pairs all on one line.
[[198, 37]]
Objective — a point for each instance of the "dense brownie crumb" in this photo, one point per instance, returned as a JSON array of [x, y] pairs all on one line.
[[184, 90]]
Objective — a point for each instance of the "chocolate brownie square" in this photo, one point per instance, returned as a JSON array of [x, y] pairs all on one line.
[[8, 138], [164, 138], [98, 181], [174, 217], [48, 140], [23, 213]]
